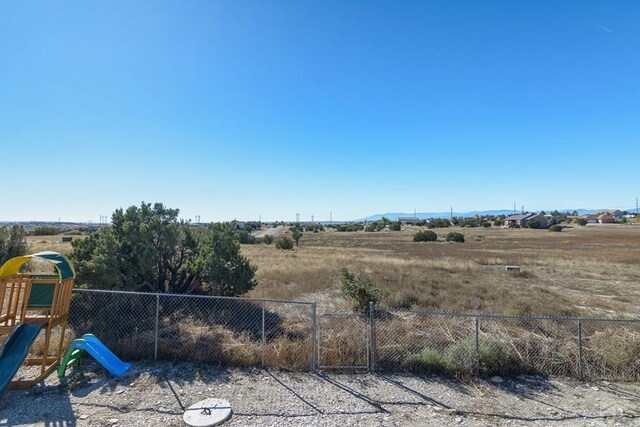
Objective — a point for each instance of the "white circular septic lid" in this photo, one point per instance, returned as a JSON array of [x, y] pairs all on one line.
[[207, 413]]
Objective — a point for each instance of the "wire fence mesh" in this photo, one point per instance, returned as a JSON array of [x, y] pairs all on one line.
[[611, 349], [217, 330], [464, 344], [287, 334], [343, 341]]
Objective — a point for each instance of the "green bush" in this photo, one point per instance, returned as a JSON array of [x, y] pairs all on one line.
[[245, 238], [498, 223], [267, 239], [582, 221], [556, 228], [429, 360], [371, 227], [352, 226], [425, 236], [360, 290], [395, 226], [13, 242], [438, 223], [455, 237], [494, 358], [284, 243]]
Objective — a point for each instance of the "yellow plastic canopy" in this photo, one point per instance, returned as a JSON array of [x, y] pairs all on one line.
[[62, 264]]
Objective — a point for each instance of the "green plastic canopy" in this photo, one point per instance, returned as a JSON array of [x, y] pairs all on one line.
[[62, 264]]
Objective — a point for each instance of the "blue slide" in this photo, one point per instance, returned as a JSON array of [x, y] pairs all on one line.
[[99, 351], [15, 350]]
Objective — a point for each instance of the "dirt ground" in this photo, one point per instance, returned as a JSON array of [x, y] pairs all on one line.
[[153, 395]]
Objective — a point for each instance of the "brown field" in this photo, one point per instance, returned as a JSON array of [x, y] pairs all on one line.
[[582, 271]]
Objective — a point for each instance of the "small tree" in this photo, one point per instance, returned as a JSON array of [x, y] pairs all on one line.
[[297, 234], [268, 239], [582, 221], [556, 228], [425, 236], [148, 248], [455, 237], [360, 290], [284, 243], [224, 270]]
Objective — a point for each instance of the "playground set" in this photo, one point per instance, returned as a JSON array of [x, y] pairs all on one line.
[[31, 304]]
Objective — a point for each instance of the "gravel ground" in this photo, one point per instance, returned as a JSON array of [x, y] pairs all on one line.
[[152, 395]]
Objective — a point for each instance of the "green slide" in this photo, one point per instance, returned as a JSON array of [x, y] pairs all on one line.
[[15, 350]]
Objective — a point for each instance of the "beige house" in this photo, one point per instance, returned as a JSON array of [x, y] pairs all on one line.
[[522, 220]]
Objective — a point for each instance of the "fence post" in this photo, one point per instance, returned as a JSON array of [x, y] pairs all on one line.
[[372, 335], [155, 350], [262, 344], [314, 326], [477, 348], [580, 349]]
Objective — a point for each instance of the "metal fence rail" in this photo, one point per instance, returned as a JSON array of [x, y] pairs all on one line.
[[288, 334]]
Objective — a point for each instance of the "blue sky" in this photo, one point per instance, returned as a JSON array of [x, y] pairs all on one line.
[[235, 109]]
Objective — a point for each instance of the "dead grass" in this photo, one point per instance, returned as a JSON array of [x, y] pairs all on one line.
[[588, 271]]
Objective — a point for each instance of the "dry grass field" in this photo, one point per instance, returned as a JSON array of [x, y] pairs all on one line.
[[582, 271]]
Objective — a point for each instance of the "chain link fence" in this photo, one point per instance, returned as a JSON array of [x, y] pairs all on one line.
[[463, 344], [217, 330], [287, 334], [344, 341]]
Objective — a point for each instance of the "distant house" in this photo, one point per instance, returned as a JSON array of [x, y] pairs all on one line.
[[409, 220], [522, 220], [239, 225], [606, 218], [618, 214], [591, 218]]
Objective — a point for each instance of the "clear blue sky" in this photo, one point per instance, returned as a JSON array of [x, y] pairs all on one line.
[[235, 109]]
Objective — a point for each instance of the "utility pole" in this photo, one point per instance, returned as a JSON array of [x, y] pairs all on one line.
[[297, 218], [414, 213], [451, 212], [331, 217], [522, 209], [514, 208], [636, 206], [312, 222]]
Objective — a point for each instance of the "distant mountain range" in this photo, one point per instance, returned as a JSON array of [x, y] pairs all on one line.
[[427, 215]]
